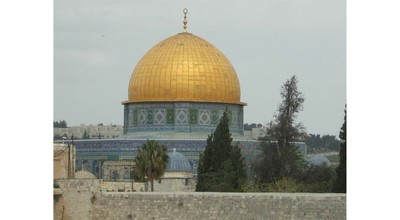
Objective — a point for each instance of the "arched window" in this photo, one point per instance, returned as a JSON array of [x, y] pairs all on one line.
[[86, 165], [114, 175], [127, 175]]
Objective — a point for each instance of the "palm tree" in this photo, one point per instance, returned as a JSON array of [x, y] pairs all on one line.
[[151, 161]]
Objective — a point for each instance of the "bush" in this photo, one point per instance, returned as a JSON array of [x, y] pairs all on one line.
[[284, 185]]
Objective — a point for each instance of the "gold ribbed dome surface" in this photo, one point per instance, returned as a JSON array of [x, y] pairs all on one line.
[[184, 67]]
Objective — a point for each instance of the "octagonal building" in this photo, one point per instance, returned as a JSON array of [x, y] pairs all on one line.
[[179, 90]]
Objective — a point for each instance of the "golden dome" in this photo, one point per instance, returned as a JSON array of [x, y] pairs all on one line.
[[184, 68]]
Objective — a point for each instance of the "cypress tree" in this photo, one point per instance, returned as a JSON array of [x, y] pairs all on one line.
[[85, 135], [340, 183], [221, 142], [221, 166]]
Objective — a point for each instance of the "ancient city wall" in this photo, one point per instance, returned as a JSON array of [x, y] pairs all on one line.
[[107, 186], [79, 204]]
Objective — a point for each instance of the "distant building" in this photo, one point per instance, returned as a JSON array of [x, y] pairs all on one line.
[[92, 131], [178, 176], [258, 133], [115, 170]]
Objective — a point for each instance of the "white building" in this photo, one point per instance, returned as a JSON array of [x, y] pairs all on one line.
[[92, 131], [256, 133]]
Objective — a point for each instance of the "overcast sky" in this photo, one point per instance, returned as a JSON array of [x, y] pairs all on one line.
[[97, 44]]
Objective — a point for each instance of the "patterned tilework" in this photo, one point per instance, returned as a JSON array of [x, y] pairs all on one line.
[[214, 117], [135, 117], [130, 120], [180, 117], [235, 118], [204, 117], [230, 117], [150, 116], [170, 116], [159, 117], [126, 112], [142, 119], [193, 116]]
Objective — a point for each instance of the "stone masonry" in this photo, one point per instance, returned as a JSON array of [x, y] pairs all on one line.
[[82, 199]]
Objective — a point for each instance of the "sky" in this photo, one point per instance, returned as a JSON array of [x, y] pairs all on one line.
[[97, 44]]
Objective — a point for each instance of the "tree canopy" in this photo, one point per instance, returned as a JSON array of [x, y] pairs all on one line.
[[281, 158], [283, 127], [281, 167], [318, 143], [248, 127], [85, 135], [151, 161], [274, 163], [221, 166], [59, 124]]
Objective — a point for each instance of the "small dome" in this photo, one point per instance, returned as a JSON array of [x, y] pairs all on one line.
[[83, 174], [318, 159], [184, 67], [178, 162]]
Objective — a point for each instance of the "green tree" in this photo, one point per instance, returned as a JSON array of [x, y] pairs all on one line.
[[319, 179], [340, 184], [151, 161], [316, 143], [281, 159], [221, 166], [286, 184], [85, 135], [248, 127], [268, 166], [60, 124]]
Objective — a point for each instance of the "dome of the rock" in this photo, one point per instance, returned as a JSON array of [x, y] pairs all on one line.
[[185, 68], [180, 89]]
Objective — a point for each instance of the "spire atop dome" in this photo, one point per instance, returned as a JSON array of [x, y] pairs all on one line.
[[185, 11]]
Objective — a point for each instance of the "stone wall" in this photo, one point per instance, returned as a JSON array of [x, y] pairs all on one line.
[[219, 206], [174, 185], [64, 156], [75, 201], [106, 186], [83, 200]]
